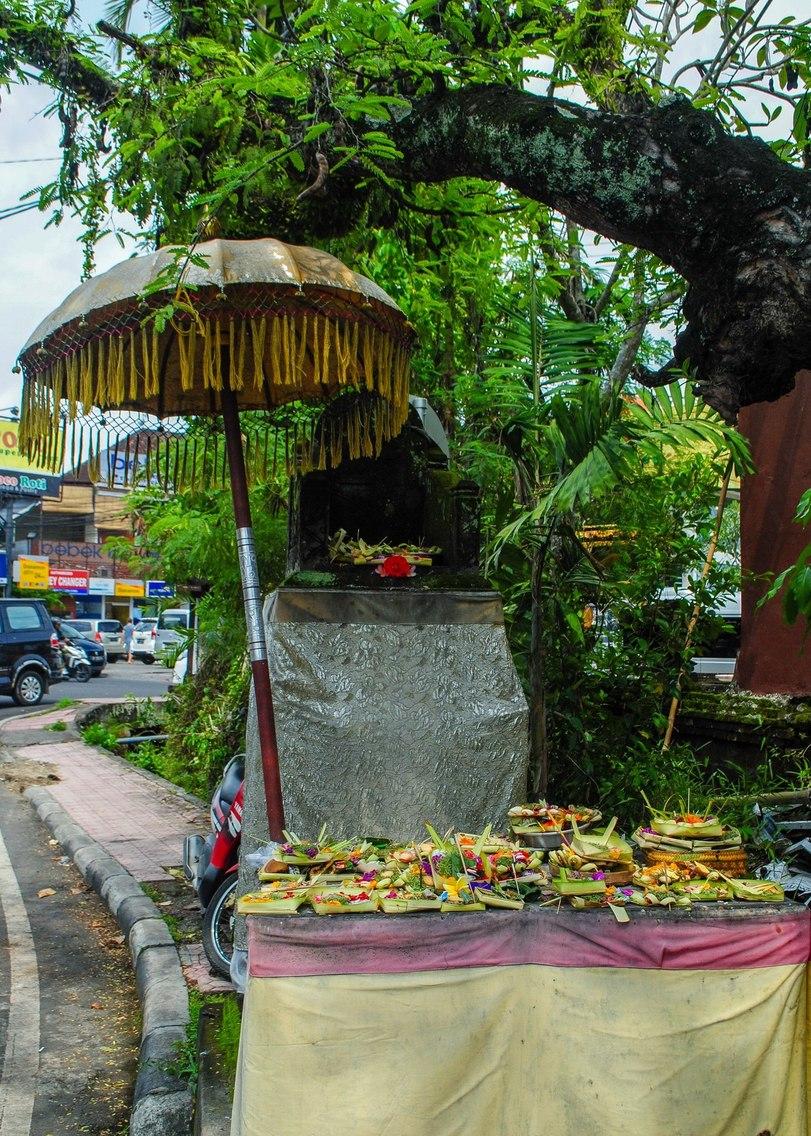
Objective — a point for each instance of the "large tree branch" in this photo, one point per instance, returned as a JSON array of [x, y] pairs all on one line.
[[57, 56], [725, 212]]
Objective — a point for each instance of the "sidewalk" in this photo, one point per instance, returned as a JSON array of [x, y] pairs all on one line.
[[139, 821]]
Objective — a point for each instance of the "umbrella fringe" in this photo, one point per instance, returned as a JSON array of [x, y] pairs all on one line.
[[288, 356]]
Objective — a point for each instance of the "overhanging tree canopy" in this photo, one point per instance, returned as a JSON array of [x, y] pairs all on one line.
[[322, 121]]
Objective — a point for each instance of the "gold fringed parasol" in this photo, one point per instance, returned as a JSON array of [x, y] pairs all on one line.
[[276, 323], [250, 325]]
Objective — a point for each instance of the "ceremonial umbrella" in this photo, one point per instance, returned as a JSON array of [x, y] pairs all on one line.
[[245, 325]]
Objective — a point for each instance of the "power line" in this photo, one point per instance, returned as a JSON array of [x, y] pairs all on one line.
[[16, 210], [25, 161]]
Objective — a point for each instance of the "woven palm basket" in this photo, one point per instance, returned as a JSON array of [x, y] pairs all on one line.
[[731, 861]]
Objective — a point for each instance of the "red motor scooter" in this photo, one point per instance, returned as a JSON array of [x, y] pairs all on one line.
[[212, 865]]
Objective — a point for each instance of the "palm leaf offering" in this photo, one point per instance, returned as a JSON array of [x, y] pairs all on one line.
[[684, 824], [757, 891], [464, 872], [358, 552]]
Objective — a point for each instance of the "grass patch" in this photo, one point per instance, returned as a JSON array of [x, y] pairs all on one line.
[[227, 1036], [57, 727], [66, 703], [186, 1065]]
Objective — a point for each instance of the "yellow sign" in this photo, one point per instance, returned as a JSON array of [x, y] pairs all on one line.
[[20, 477], [129, 589], [10, 457], [33, 574]]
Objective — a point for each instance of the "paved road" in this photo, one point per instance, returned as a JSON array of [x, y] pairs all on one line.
[[68, 1009], [116, 681]]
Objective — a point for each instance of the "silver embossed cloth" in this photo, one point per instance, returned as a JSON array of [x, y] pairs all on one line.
[[391, 709]]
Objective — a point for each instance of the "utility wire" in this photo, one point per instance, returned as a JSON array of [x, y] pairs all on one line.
[[24, 161]]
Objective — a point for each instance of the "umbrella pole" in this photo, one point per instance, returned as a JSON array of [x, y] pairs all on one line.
[[252, 599]]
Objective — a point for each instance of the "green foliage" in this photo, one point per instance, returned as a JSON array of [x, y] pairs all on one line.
[[57, 727], [66, 703], [104, 735], [206, 723]]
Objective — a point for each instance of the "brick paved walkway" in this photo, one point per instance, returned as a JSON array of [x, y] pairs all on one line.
[[139, 821]]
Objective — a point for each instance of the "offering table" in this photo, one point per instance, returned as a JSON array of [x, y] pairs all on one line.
[[540, 1022]]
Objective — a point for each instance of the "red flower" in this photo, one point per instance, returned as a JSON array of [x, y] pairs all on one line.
[[396, 567]]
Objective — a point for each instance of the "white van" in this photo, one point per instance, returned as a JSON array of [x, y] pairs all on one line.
[[166, 633]]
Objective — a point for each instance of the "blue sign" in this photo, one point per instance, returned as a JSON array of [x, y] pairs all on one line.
[[3, 568], [159, 590]]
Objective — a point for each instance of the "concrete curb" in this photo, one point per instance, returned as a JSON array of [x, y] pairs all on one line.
[[162, 1104]]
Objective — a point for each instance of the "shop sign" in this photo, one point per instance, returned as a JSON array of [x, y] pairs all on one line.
[[34, 574], [3, 568], [129, 589], [159, 590], [19, 477], [69, 580], [101, 586]]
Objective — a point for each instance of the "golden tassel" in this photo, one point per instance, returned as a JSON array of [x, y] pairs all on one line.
[[325, 357], [368, 356], [387, 356], [383, 359], [240, 364], [155, 374], [275, 353], [186, 349], [343, 375], [94, 463], [217, 361], [258, 334], [292, 377], [119, 370], [99, 395], [354, 353], [302, 354], [235, 369], [133, 394], [316, 353], [208, 375], [145, 360], [286, 358]]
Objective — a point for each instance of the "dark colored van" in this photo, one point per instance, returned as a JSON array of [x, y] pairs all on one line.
[[30, 659]]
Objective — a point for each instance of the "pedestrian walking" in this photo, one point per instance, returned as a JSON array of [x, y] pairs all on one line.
[[129, 627]]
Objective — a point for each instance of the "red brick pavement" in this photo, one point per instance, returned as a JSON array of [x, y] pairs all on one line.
[[139, 821]]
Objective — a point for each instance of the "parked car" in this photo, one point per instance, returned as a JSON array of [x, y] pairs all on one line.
[[30, 659], [107, 632], [96, 654], [143, 640], [169, 631]]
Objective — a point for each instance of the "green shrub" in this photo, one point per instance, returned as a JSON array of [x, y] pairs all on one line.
[[104, 735]]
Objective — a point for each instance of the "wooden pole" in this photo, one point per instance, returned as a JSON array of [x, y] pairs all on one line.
[[252, 599], [691, 626]]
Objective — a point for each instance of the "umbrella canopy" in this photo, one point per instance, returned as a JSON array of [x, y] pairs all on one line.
[[274, 323], [251, 324]]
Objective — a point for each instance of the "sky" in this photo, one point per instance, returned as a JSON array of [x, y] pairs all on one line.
[[42, 265]]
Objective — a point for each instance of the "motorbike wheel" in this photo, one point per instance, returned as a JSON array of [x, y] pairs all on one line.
[[82, 672], [218, 926]]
